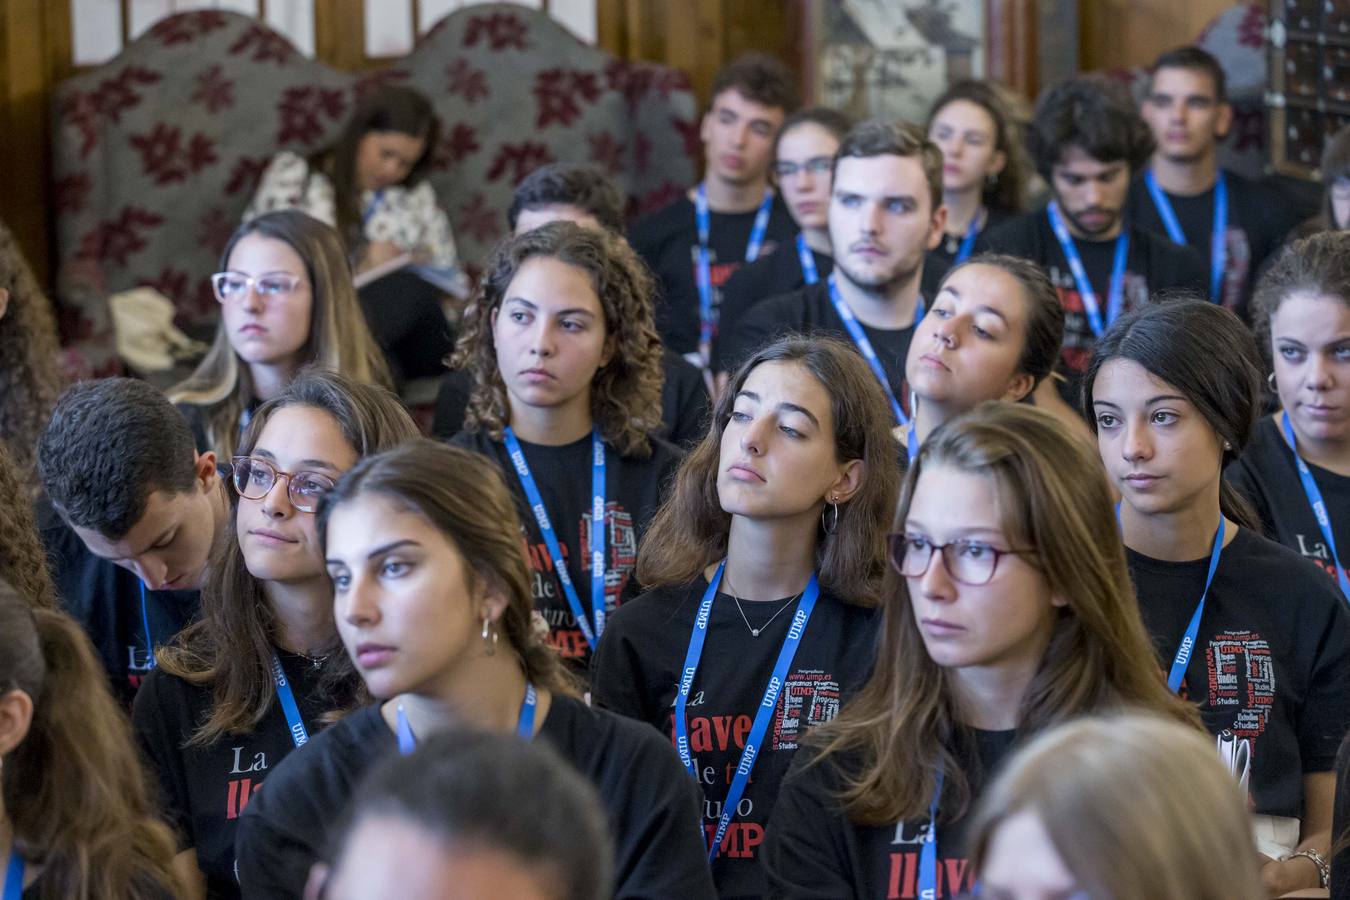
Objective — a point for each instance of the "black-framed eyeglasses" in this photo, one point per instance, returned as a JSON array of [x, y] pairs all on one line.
[[254, 479], [969, 562], [816, 165], [234, 286]]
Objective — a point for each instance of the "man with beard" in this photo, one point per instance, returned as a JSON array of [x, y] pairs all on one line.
[[1186, 196], [1087, 141], [885, 213]]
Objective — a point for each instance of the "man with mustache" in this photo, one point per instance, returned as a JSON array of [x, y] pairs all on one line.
[[885, 213], [1087, 141]]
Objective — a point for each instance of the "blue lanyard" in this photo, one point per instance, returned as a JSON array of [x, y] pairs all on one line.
[[407, 741], [968, 242], [855, 331], [912, 443], [1218, 241], [145, 621], [703, 220], [1319, 506], [928, 852], [809, 273], [297, 725], [14, 876], [372, 207], [1178, 671], [766, 706], [551, 537], [1116, 297]]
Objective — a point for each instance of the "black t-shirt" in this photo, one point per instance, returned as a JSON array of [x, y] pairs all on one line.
[[1154, 264], [939, 261], [652, 805], [106, 600], [1267, 474], [668, 241], [1340, 822], [633, 491], [637, 669], [684, 402], [769, 276], [1258, 220], [812, 850], [1271, 660], [810, 311], [204, 789]]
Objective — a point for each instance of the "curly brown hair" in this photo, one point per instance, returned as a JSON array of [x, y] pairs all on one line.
[[626, 391], [23, 563], [30, 379]]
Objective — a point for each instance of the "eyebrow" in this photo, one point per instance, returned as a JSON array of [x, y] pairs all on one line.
[[572, 311], [378, 551], [789, 407], [963, 532], [983, 307], [311, 463], [155, 543], [1149, 402]]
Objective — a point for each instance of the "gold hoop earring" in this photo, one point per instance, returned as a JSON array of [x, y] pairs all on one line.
[[832, 523], [1270, 383]]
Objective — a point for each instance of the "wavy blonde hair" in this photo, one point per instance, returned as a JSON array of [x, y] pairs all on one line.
[[626, 391], [338, 337]]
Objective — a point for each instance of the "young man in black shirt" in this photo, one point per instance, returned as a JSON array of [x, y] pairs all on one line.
[[1087, 141], [1185, 195], [582, 194], [130, 513], [731, 216], [885, 214]]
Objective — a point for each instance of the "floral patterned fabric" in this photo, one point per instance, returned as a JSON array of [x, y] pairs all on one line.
[[157, 153]]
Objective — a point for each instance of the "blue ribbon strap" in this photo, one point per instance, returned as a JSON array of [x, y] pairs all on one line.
[[1218, 246], [1319, 506], [145, 623], [1177, 673], [407, 741], [968, 242], [1115, 299], [855, 331], [295, 724], [928, 852], [703, 275], [809, 273], [14, 876]]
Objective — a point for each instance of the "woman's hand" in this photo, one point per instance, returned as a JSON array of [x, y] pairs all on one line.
[[1280, 876]]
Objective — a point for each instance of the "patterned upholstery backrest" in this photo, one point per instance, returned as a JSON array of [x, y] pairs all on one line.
[[157, 152]]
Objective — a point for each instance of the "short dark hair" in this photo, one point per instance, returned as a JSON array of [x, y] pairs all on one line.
[[1196, 60], [110, 444], [1318, 265], [1045, 312], [875, 137], [498, 793], [1206, 353], [832, 120], [1094, 114], [570, 184], [758, 77]]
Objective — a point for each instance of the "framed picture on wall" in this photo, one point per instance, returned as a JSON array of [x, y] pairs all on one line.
[[1309, 91]]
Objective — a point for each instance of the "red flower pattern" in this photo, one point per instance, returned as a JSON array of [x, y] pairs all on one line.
[[606, 151], [214, 90], [463, 79], [642, 152], [518, 160], [455, 147], [114, 240], [187, 27], [245, 174], [501, 30], [70, 194], [266, 45], [557, 91], [689, 132], [663, 196], [214, 229], [369, 84], [166, 158], [302, 110], [479, 220]]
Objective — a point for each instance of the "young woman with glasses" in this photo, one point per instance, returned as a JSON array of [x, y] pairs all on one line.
[[262, 670], [1008, 609], [287, 301], [764, 564], [1245, 628]]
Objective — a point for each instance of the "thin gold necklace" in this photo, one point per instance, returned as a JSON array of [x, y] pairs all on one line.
[[754, 632]]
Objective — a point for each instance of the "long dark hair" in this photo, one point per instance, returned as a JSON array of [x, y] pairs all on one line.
[[23, 559], [690, 530], [30, 377], [74, 787], [905, 724], [1008, 191], [463, 496], [230, 647], [391, 108], [1206, 353]]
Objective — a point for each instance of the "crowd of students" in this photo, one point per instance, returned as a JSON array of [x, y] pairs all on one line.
[[846, 529]]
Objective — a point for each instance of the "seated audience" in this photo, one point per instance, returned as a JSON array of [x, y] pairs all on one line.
[[130, 514], [30, 379], [286, 302], [433, 600], [1186, 195], [1087, 141], [239, 689], [885, 213], [1149, 789], [770, 532], [729, 218], [475, 816], [984, 170], [1253, 634], [75, 813], [1008, 611], [567, 374], [1296, 469], [803, 163], [582, 194]]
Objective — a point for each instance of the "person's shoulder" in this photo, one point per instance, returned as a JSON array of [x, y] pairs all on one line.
[[606, 739], [791, 307], [1017, 233], [1276, 566], [664, 457], [680, 370], [477, 440], [1172, 265], [336, 755], [659, 226], [652, 612], [170, 698]]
